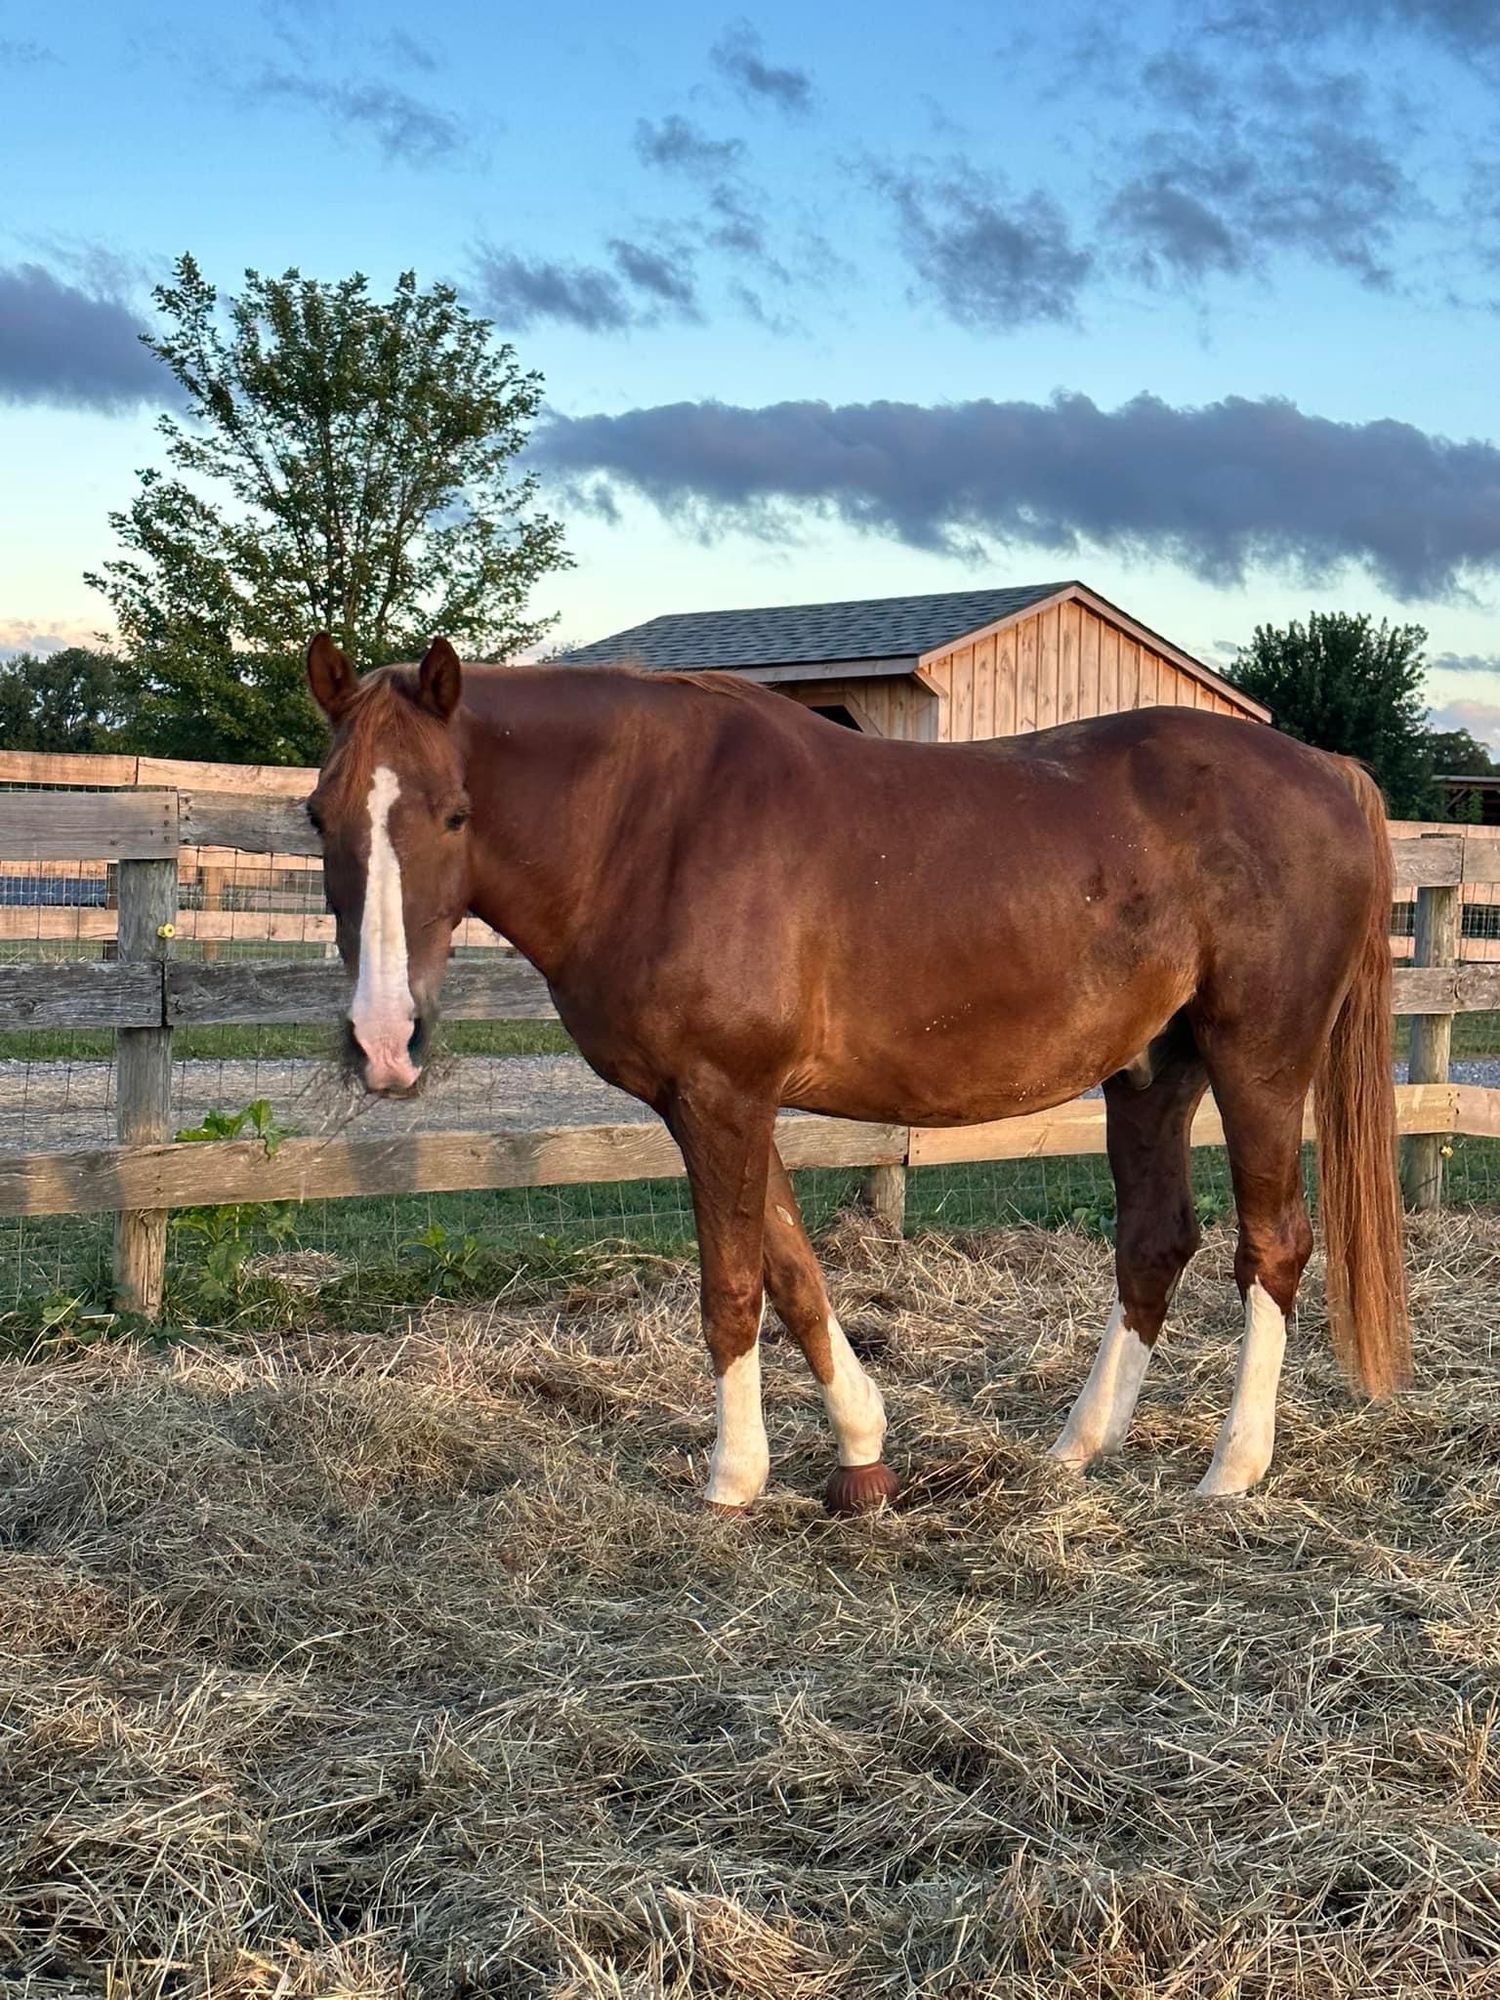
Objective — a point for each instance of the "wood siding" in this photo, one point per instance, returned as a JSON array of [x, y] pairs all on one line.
[[1062, 663], [894, 705]]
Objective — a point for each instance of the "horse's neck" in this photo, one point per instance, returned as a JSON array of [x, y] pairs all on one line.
[[548, 785]]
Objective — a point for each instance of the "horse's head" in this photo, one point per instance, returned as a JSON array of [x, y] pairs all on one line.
[[392, 813]]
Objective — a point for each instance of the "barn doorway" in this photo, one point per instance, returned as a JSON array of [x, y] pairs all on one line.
[[835, 712]]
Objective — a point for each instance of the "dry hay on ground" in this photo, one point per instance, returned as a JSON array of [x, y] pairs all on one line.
[[363, 1666]]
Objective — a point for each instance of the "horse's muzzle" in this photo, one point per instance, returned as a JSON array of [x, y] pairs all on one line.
[[389, 1068]]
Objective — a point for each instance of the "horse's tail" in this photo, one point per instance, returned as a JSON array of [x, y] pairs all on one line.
[[1356, 1115]]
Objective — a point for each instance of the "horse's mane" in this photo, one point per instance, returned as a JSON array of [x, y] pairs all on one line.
[[721, 683], [711, 680], [390, 697]]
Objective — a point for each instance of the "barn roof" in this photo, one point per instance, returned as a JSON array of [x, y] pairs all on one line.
[[863, 628]]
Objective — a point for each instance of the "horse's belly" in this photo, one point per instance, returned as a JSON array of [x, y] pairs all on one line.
[[973, 1098], [966, 1070]]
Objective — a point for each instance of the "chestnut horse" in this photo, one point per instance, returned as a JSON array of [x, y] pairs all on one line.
[[738, 905]]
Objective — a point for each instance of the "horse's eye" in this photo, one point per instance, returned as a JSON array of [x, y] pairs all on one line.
[[457, 818]]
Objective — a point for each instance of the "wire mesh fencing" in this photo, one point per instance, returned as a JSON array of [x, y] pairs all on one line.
[[1471, 1172], [238, 909]]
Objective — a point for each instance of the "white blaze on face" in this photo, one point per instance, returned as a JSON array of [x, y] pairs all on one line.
[[383, 1013], [741, 1461], [1248, 1436], [854, 1405], [1101, 1416]]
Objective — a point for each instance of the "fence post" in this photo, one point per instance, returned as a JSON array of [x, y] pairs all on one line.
[[143, 1082], [1438, 935], [885, 1196]]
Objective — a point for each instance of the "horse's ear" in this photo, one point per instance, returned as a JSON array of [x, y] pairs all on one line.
[[440, 679], [332, 680]]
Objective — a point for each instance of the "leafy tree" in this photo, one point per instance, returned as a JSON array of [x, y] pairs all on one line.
[[341, 462], [1343, 683], [68, 700], [1458, 754]]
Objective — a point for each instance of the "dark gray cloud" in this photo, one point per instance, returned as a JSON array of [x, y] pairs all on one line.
[[1216, 489], [77, 349], [659, 274], [734, 223], [1178, 79], [679, 146], [1466, 26], [24, 54], [733, 218], [520, 291], [1481, 213], [1466, 663], [991, 260], [1171, 230], [1469, 28], [401, 125], [644, 285], [408, 52], [750, 302], [1250, 166], [740, 56]]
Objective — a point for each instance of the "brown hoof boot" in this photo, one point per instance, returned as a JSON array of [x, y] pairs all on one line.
[[859, 1489]]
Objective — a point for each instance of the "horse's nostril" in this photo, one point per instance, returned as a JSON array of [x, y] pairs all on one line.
[[381, 1059]]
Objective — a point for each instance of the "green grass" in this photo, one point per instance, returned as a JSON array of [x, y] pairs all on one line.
[[403, 1251], [1474, 1035], [400, 1251]]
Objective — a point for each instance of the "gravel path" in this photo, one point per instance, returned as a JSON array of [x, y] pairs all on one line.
[[50, 1107], [55, 1106]]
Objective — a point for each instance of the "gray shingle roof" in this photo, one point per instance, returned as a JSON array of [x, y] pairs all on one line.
[[865, 628]]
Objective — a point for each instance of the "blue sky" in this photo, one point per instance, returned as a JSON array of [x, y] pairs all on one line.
[[1198, 303]]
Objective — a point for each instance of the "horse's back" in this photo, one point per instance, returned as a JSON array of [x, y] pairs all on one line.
[[1150, 753]]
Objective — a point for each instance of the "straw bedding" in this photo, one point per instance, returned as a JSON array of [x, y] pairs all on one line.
[[358, 1665]]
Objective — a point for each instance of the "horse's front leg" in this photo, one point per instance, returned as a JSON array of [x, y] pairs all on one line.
[[855, 1410], [725, 1136]]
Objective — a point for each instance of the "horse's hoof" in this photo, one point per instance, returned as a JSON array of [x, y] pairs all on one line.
[[1070, 1460], [859, 1489], [730, 1509]]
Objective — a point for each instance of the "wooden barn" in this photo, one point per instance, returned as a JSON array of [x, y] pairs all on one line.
[[953, 667]]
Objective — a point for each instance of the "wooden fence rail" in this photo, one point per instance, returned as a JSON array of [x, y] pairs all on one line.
[[146, 994], [212, 822], [500, 987]]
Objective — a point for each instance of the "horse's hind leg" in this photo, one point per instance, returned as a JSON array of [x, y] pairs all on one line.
[[851, 1399], [1148, 1120], [1260, 1102]]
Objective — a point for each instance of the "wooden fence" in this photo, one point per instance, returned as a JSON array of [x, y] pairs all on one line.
[[146, 993], [222, 898]]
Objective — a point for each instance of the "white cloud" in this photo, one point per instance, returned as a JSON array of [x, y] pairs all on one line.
[[22, 635], [1480, 718]]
